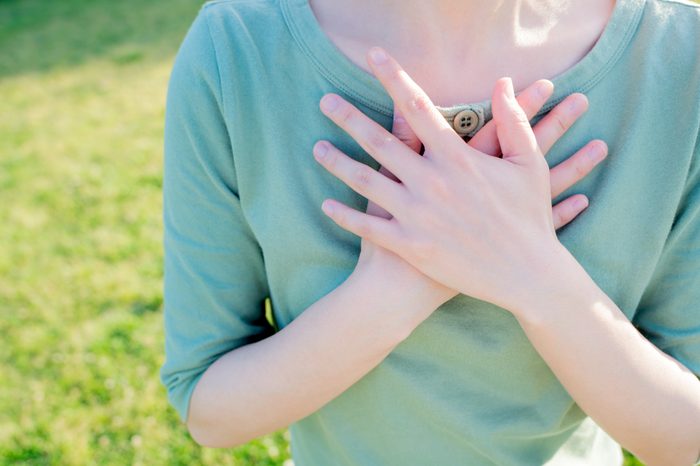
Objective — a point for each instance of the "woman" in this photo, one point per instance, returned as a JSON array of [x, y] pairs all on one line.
[[460, 328]]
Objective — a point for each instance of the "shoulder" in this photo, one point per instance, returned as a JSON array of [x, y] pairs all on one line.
[[689, 9], [237, 25], [666, 45], [677, 5], [218, 6], [251, 16], [673, 28], [230, 41], [675, 17], [244, 32]]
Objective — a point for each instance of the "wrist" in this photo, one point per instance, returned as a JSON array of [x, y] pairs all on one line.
[[555, 281], [405, 302]]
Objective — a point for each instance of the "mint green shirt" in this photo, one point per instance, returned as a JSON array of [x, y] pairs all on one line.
[[242, 222]]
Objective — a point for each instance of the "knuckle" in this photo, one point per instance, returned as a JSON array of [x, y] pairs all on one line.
[[581, 169], [393, 75], [419, 103], [363, 175], [377, 141], [559, 122], [437, 186], [345, 113], [365, 230], [465, 163], [520, 117], [331, 158]]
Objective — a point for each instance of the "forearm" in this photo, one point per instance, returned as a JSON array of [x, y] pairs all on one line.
[[646, 400], [264, 386]]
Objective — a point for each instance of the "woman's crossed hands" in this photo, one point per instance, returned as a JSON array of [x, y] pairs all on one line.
[[467, 221]]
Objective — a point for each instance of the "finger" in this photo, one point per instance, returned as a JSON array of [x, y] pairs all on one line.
[[565, 211], [415, 106], [360, 177], [381, 231], [515, 135], [375, 209], [404, 132], [558, 121], [383, 146], [531, 100], [573, 169]]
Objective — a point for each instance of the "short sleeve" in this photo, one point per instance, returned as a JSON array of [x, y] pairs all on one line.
[[669, 311], [214, 283]]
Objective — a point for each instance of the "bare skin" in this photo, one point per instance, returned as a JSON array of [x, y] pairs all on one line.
[[465, 46], [547, 132], [533, 39]]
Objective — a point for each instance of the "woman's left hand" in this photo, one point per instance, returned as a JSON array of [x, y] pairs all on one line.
[[478, 224]]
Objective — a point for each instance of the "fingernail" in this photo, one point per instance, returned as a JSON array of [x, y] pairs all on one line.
[[377, 55], [574, 105], [327, 207], [581, 202], [320, 150], [329, 102], [578, 103], [543, 89], [596, 152]]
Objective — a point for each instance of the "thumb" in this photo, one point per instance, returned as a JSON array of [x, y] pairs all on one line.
[[517, 140], [403, 131]]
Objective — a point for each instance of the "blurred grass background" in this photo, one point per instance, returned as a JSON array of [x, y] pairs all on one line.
[[82, 95]]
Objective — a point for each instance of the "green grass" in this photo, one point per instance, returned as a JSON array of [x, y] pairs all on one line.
[[82, 93]]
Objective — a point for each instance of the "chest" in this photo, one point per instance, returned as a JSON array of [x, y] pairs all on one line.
[[617, 239]]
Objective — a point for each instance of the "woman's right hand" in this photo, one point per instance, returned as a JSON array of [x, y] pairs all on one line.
[[547, 131]]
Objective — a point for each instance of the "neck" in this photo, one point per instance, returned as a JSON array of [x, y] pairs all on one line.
[[458, 28]]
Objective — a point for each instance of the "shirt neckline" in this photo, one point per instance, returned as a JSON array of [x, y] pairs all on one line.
[[365, 88]]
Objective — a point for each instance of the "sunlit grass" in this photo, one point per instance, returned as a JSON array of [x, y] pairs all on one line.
[[82, 86]]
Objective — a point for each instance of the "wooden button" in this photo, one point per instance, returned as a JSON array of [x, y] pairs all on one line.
[[465, 122]]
